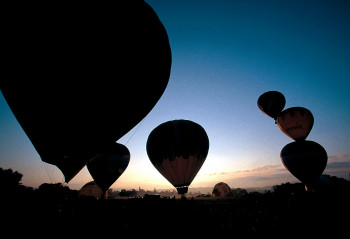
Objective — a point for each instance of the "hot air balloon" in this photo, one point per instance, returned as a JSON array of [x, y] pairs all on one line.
[[80, 76], [296, 122], [306, 160], [221, 190], [178, 149], [271, 103], [108, 166], [91, 190]]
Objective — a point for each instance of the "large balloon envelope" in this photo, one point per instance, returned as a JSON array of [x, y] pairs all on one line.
[[296, 122], [178, 149], [306, 160], [271, 103], [79, 76], [108, 166]]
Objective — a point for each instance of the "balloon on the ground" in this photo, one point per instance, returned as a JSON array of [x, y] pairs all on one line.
[[178, 149], [91, 190], [221, 190]]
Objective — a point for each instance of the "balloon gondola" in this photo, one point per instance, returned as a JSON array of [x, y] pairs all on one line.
[[178, 149]]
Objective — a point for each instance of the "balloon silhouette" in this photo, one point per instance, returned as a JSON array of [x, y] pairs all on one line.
[[178, 149], [306, 160], [91, 190], [296, 122], [83, 75], [221, 190], [271, 103], [108, 166]]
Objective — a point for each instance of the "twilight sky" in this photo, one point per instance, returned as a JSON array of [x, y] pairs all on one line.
[[225, 54]]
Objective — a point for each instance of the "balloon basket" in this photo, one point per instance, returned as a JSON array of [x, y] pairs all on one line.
[[182, 190], [311, 187]]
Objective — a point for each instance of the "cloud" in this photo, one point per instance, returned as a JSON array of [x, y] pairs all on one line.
[[265, 175], [340, 157], [269, 175], [339, 166]]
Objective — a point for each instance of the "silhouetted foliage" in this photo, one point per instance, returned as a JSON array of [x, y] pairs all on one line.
[[288, 189], [9, 179], [10, 184], [286, 207], [56, 191], [238, 192]]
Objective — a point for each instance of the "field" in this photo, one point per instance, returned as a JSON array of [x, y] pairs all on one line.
[[253, 213]]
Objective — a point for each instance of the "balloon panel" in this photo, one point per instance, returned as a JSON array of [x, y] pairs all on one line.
[[306, 160], [271, 103], [177, 138], [83, 76], [180, 171], [295, 122], [178, 149]]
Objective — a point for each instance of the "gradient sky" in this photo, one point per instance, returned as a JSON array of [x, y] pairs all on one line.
[[225, 55]]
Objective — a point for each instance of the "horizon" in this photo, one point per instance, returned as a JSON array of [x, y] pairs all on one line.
[[333, 169]]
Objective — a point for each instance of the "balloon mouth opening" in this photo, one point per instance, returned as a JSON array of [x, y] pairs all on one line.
[[182, 189]]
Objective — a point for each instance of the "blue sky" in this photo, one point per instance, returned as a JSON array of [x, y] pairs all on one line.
[[225, 55]]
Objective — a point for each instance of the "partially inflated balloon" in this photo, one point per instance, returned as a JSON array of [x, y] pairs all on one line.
[[221, 190], [91, 190], [81, 75], [271, 103], [108, 166], [306, 160], [178, 149], [296, 122]]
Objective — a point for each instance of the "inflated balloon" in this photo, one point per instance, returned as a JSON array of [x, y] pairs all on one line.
[[306, 160], [91, 190], [296, 122], [221, 190], [178, 149], [80, 76], [108, 166], [271, 103]]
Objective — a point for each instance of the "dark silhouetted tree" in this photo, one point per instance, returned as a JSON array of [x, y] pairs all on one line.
[[9, 179]]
